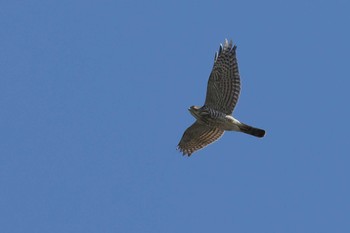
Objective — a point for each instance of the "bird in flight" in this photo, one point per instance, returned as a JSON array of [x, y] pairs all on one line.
[[214, 117]]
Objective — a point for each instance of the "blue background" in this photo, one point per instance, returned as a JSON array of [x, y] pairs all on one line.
[[94, 98]]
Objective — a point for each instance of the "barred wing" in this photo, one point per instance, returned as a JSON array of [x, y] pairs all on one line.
[[224, 82], [197, 136]]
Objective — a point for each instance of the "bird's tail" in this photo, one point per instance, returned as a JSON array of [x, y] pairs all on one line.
[[251, 130]]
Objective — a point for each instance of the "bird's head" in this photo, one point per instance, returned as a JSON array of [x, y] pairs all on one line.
[[194, 110], [197, 111]]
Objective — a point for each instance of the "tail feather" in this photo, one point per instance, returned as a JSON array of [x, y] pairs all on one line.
[[252, 131]]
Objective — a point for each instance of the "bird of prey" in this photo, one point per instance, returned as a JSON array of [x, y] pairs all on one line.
[[214, 117]]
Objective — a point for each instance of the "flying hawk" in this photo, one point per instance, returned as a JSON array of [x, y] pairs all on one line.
[[214, 117]]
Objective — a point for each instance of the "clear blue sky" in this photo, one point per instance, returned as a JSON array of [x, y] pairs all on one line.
[[94, 98]]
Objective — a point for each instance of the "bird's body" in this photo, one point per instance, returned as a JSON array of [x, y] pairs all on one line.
[[214, 118]]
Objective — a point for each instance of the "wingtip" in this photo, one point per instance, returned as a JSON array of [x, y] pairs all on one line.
[[215, 56], [228, 44], [184, 152]]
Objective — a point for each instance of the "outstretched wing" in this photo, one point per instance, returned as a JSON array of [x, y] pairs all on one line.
[[197, 136], [224, 83]]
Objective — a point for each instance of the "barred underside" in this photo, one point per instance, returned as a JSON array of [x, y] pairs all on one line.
[[224, 82], [222, 95], [197, 136]]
